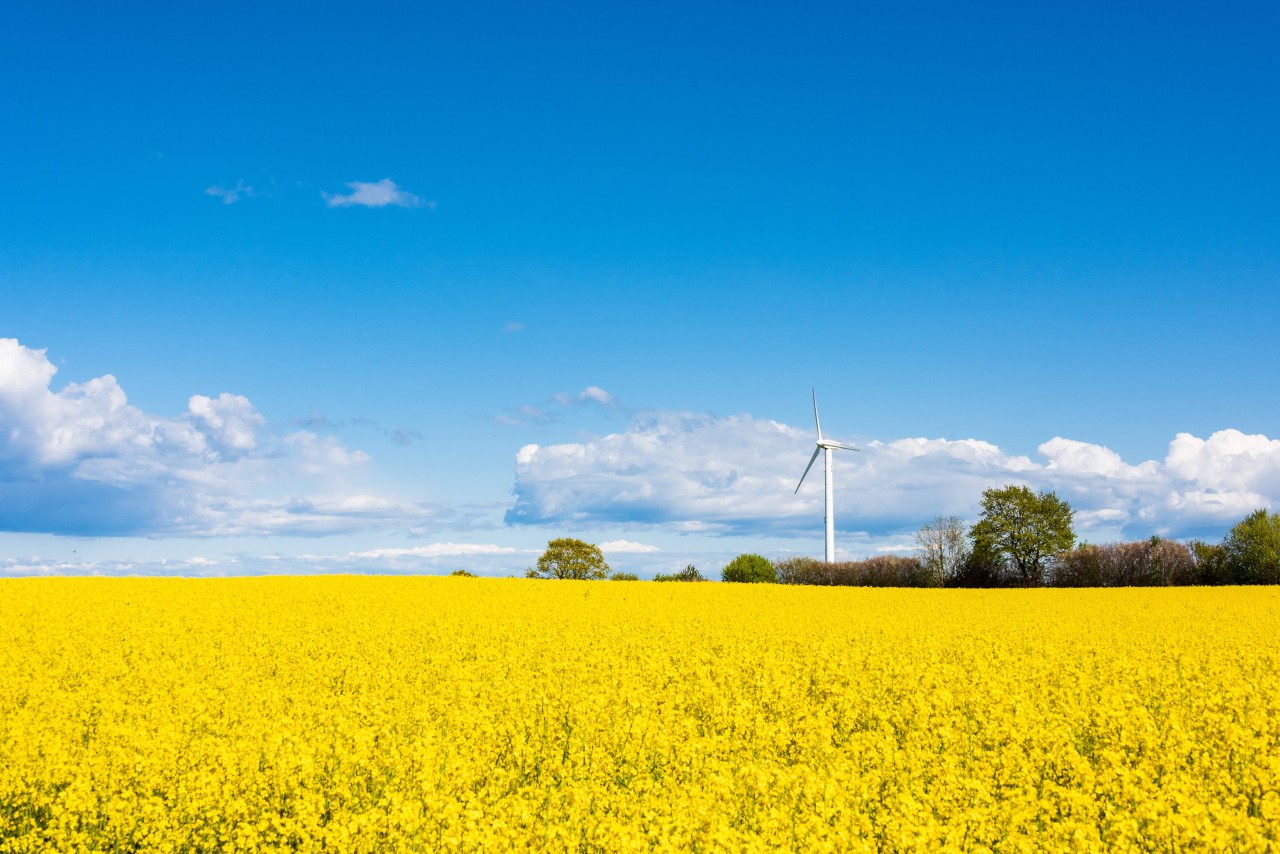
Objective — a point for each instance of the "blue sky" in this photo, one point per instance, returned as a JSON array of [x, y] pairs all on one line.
[[345, 267]]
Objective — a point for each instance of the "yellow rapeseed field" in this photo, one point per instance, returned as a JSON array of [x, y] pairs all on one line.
[[425, 714]]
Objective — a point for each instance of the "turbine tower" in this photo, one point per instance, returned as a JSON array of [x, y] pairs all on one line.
[[825, 447]]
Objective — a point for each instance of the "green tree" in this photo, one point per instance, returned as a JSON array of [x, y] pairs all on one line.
[[984, 566], [1211, 563], [751, 569], [1252, 549], [570, 558], [624, 576], [1025, 527]]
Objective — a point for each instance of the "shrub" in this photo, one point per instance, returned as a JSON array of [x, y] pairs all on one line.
[[461, 573], [624, 576], [880, 571], [749, 569], [802, 570], [689, 573], [1151, 563]]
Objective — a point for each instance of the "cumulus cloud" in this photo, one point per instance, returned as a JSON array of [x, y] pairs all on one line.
[[233, 195], [737, 475], [229, 421], [375, 194], [84, 461]]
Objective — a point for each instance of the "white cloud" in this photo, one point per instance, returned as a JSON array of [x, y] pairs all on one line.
[[82, 460], [323, 453], [233, 195], [627, 547], [228, 421], [597, 395], [737, 475], [376, 194]]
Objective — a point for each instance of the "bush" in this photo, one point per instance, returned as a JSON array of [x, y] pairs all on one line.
[[689, 573], [461, 573], [802, 570], [749, 569], [1152, 563], [624, 576], [881, 571]]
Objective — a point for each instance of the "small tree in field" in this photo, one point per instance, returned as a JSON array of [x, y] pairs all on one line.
[[570, 558], [944, 547], [751, 569], [1026, 527]]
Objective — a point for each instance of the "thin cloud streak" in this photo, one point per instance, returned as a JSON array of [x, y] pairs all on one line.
[[233, 195]]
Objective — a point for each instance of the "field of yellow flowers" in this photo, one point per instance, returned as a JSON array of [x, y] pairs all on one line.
[[424, 714]]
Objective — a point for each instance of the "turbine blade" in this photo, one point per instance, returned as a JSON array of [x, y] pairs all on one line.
[[816, 451], [839, 445], [816, 422]]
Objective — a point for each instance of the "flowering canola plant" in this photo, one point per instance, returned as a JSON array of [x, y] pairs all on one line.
[[440, 714]]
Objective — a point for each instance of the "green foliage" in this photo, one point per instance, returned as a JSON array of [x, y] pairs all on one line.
[[689, 573], [1025, 527], [624, 576], [1251, 550], [749, 569], [1211, 563], [984, 566], [461, 573], [570, 558]]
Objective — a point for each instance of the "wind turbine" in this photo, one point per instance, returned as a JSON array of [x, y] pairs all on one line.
[[825, 447]]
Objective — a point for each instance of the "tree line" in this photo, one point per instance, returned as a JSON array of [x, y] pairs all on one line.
[[1021, 539], [1026, 539]]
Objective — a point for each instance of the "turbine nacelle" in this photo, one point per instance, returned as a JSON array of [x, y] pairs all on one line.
[[823, 444]]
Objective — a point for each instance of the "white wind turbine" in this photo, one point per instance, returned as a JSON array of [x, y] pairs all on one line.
[[825, 446]]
